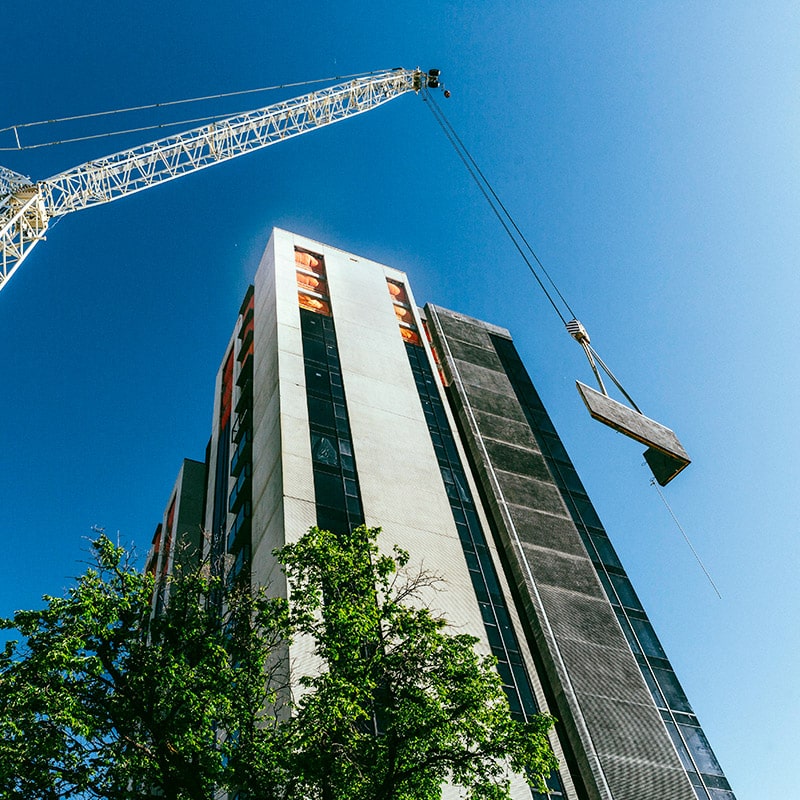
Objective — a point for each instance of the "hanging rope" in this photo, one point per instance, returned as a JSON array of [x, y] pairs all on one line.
[[685, 536], [523, 246], [499, 209], [15, 129]]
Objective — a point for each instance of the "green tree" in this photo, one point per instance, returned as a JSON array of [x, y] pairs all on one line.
[[103, 700], [401, 705]]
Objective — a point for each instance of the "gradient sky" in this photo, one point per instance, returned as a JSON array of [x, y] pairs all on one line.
[[648, 150]]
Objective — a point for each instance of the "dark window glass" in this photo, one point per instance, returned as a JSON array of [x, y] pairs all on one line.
[[571, 479], [487, 613], [314, 351], [332, 519], [625, 591], [328, 489], [354, 509], [608, 587], [523, 686], [335, 483], [606, 551], [323, 450], [647, 638], [587, 514], [721, 794], [628, 631], [320, 413], [658, 698], [672, 690], [466, 537], [472, 562], [514, 704], [701, 750], [686, 759]]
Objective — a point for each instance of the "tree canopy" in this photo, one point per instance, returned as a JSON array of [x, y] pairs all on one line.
[[100, 698]]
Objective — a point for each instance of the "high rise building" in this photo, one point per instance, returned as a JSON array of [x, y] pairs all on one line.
[[340, 402]]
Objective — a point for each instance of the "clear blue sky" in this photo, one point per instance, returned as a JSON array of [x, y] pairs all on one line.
[[649, 151]]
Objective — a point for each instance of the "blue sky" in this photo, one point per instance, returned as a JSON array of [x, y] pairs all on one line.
[[648, 150]]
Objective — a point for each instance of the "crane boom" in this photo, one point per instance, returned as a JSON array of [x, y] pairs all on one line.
[[26, 209]]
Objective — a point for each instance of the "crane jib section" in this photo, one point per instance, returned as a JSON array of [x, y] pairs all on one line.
[[133, 170], [25, 209]]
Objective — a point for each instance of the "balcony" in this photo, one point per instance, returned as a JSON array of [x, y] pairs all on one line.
[[241, 491], [240, 530], [246, 347], [247, 319], [242, 453], [242, 422], [246, 372], [245, 397]]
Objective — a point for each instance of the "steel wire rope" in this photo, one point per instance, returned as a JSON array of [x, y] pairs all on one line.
[[121, 132], [487, 189], [150, 106], [508, 222], [685, 535]]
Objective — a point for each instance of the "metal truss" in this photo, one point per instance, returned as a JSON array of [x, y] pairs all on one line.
[[26, 210]]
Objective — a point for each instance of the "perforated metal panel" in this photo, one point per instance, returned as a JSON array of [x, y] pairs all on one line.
[[619, 744]]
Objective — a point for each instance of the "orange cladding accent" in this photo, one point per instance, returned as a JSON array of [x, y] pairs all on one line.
[[227, 392], [404, 314], [312, 283], [308, 261], [397, 291], [410, 336], [313, 304]]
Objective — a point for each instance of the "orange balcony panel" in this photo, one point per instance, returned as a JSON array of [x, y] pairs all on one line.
[[412, 337], [312, 283], [404, 314], [313, 304], [397, 291], [309, 261]]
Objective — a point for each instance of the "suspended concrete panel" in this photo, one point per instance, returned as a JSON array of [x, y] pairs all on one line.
[[665, 454]]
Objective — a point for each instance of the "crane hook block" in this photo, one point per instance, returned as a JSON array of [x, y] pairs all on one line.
[[576, 330], [664, 455]]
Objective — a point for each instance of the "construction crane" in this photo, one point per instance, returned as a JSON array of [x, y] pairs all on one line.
[[26, 208]]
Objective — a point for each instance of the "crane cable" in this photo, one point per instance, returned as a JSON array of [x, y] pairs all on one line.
[[497, 206], [574, 328], [685, 535], [16, 128]]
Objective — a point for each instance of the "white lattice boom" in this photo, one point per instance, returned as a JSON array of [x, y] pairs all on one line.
[[26, 210]]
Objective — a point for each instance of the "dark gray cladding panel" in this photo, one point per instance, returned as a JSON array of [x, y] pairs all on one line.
[[474, 354], [586, 665], [571, 573], [540, 528], [518, 489], [519, 460], [507, 430], [503, 405], [584, 618], [483, 377]]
